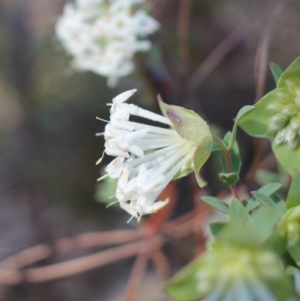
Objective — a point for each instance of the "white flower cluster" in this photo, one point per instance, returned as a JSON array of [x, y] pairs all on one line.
[[147, 157], [285, 123], [233, 273], [103, 35]]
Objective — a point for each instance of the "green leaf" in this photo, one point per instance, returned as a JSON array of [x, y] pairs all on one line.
[[256, 122], [163, 106], [276, 71], [229, 179], [183, 286], [265, 200], [278, 244], [217, 227], [279, 201], [263, 177], [218, 144], [294, 251], [268, 190], [216, 203], [290, 78], [234, 157], [240, 114], [201, 155], [237, 234], [288, 158], [237, 212], [293, 197], [264, 221]]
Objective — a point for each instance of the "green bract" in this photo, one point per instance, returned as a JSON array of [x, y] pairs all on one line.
[[236, 267], [191, 127], [287, 237], [277, 116]]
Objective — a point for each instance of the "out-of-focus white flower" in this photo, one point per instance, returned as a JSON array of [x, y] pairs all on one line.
[[103, 35], [147, 157], [231, 272]]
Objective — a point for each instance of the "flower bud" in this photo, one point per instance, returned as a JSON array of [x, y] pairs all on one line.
[[285, 124], [289, 228], [188, 124]]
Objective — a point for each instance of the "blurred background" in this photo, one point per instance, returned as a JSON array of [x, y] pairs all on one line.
[[48, 147]]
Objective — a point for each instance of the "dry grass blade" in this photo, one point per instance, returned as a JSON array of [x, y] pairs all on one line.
[[87, 263], [183, 28], [136, 276], [262, 55], [227, 45], [260, 73], [9, 268]]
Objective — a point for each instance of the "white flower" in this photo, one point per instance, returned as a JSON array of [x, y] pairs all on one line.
[[102, 36], [148, 157]]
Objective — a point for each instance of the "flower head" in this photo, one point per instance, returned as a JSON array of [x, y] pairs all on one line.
[[289, 227], [285, 122], [287, 236], [277, 117], [235, 267], [103, 35], [148, 157], [236, 272]]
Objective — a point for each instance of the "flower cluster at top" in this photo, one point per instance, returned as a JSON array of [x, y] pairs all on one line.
[[285, 124], [148, 157], [103, 35]]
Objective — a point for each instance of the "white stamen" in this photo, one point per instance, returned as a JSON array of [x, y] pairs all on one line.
[[100, 160], [101, 178], [111, 204], [99, 134], [101, 119]]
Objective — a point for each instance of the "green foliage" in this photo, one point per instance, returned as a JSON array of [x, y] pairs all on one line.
[[287, 237], [105, 192], [268, 190], [264, 200], [201, 155], [240, 114], [235, 261], [288, 158], [276, 71], [230, 153], [261, 222], [276, 116], [237, 212], [233, 163], [264, 177], [229, 158], [183, 287], [256, 122], [293, 197], [216, 227], [264, 221], [229, 179], [216, 203]]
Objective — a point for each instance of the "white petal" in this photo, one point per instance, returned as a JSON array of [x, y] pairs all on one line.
[[123, 96], [136, 150]]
